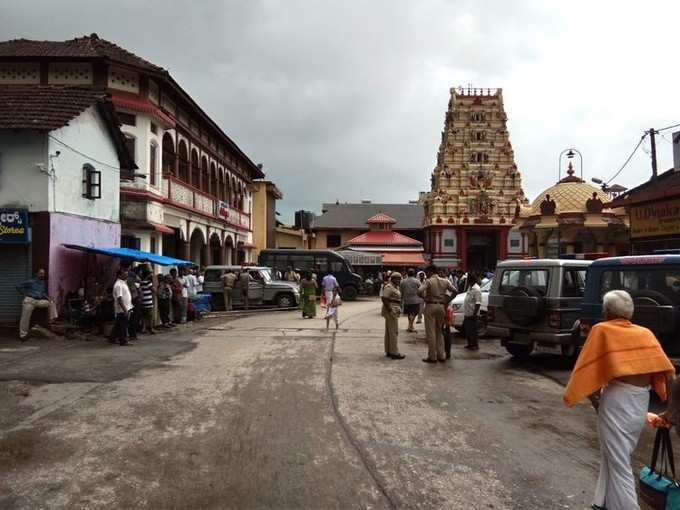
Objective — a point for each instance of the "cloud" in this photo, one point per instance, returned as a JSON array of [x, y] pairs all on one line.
[[346, 100]]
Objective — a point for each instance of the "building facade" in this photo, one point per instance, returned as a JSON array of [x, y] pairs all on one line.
[[62, 157], [191, 195], [340, 223], [476, 187]]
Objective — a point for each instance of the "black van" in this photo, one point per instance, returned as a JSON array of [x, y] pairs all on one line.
[[321, 262]]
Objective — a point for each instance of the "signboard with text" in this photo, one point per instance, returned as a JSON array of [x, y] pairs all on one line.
[[656, 219], [14, 228]]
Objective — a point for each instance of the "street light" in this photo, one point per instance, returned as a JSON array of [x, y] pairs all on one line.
[[571, 152]]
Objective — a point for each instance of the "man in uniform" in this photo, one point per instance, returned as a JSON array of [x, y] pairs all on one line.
[[391, 309], [244, 280], [434, 292], [228, 282]]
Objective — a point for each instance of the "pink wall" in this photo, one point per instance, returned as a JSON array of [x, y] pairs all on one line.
[[67, 267]]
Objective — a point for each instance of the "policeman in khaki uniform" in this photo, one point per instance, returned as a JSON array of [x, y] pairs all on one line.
[[228, 282], [391, 309], [434, 292]]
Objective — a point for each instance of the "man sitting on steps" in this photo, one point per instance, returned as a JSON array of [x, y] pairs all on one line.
[[35, 296]]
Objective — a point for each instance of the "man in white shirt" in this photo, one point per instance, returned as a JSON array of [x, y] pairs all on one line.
[[471, 307], [327, 285], [122, 306]]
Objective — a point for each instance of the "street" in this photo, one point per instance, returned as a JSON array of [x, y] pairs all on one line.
[[272, 411]]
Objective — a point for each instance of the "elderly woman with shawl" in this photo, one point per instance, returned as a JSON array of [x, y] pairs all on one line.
[[618, 364]]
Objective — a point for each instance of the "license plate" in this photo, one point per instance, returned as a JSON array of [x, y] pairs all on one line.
[[548, 349]]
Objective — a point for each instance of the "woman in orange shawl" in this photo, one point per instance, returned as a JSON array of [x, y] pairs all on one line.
[[618, 364]]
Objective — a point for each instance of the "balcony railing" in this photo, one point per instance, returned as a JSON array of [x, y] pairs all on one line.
[[183, 194]]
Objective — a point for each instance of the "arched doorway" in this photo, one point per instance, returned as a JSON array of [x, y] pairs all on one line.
[[228, 251], [196, 245], [169, 158], [195, 177], [183, 161], [240, 253], [215, 249]]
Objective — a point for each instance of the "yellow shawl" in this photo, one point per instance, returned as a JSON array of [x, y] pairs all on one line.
[[613, 349]]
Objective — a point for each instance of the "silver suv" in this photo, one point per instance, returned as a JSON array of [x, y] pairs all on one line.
[[536, 304], [262, 290]]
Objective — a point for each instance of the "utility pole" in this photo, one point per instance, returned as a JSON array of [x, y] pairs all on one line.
[[653, 142]]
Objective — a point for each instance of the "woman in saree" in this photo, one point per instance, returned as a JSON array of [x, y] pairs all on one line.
[[308, 289]]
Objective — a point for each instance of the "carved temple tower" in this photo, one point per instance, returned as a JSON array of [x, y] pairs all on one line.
[[476, 192]]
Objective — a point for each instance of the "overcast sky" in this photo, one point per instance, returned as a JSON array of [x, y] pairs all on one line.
[[346, 99]]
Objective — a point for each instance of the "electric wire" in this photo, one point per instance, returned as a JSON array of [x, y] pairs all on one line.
[[627, 160], [667, 128], [72, 149]]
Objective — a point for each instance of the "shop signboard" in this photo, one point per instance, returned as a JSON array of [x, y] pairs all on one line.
[[14, 227], [357, 258], [655, 219]]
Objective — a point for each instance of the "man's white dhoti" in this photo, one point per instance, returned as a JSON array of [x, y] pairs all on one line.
[[623, 408]]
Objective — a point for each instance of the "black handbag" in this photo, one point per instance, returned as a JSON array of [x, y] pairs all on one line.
[[658, 486]]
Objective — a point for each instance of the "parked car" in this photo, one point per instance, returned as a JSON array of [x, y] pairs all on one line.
[[653, 282], [263, 289], [321, 262], [457, 305], [534, 305]]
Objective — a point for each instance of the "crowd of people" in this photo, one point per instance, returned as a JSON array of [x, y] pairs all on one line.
[[131, 302]]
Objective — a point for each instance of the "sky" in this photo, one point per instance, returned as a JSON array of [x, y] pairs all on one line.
[[345, 100]]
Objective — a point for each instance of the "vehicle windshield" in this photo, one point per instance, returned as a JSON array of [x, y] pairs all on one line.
[[487, 286], [534, 278], [266, 275]]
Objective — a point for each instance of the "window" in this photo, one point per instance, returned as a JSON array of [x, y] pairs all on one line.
[[321, 263], [130, 144], [212, 275], [534, 278], [573, 282], [301, 262], [448, 243], [478, 117], [154, 128], [337, 266], [152, 245], [130, 242], [333, 240], [92, 186], [480, 136], [514, 243], [153, 158], [664, 281], [127, 118]]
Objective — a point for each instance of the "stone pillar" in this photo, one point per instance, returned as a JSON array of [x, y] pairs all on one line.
[[462, 247], [503, 244]]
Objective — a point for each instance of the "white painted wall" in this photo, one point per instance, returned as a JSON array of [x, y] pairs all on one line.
[[143, 136], [21, 182], [88, 135]]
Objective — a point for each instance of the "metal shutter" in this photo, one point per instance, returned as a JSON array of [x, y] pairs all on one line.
[[15, 267]]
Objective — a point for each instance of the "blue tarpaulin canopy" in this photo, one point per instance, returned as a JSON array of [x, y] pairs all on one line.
[[130, 254]]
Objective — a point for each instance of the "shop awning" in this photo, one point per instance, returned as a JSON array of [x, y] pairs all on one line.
[[403, 259], [130, 254]]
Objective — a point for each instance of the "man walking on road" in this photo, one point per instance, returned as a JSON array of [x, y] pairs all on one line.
[[471, 307], [409, 295], [228, 282], [391, 309], [35, 296], [434, 292], [327, 285]]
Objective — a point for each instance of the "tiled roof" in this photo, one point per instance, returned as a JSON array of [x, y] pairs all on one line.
[[383, 238], [90, 46], [353, 216], [400, 258], [43, 107], [381, 218]]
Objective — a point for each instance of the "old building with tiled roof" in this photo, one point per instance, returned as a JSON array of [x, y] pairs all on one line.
[[62, 155], [191, 197]]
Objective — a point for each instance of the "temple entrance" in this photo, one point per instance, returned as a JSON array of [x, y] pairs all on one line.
[[482, 251]]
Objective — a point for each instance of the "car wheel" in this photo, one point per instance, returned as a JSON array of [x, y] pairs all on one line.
[[569, 351], [349, 293], [285, 300], [520, 351]]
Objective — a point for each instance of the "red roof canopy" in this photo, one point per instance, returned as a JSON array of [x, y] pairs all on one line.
[[381, 218], [384, 238]]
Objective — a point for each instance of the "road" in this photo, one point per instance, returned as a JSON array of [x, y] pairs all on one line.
[[272, 411]]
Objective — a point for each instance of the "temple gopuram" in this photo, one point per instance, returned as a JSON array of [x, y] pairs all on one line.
[[476, 192]]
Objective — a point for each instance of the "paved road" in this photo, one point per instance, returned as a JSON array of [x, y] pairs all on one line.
[[275, 412]]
